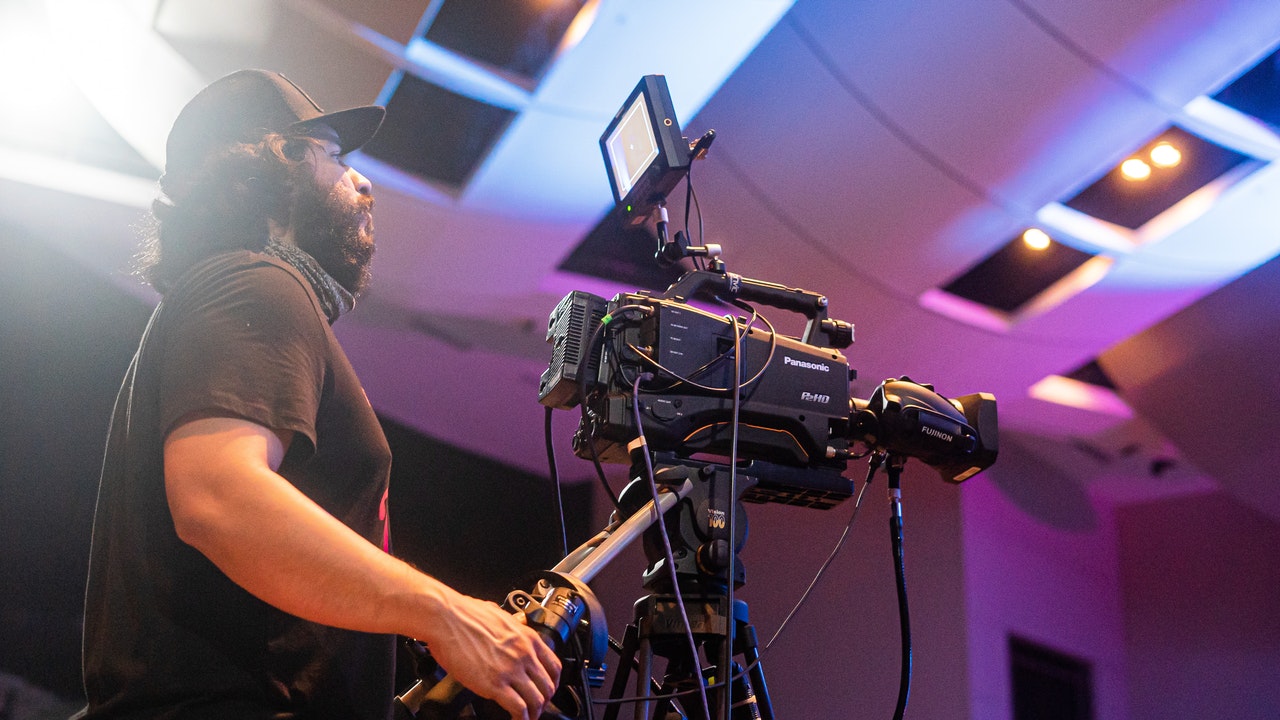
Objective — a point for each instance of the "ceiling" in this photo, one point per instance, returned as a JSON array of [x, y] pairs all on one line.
[[868, 151]]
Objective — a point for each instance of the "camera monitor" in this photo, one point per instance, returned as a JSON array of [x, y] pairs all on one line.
[[644, 152]]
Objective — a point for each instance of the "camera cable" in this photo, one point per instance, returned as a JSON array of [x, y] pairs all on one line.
[[875, 463], [900, 575], [555, 478], [726, 665], [706, 367], [597, 337], [668, 556], [691, 200]]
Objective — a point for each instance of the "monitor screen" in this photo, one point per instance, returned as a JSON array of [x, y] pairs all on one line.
[[631, 146], [643, 150]]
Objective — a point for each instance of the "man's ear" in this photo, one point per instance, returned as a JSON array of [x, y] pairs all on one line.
[[296, 149], [279, 230]]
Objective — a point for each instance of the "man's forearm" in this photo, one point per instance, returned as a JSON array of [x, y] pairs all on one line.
[[272, 540], [267, 536]]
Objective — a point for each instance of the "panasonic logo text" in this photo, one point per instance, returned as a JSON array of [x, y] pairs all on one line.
[[823, 367]]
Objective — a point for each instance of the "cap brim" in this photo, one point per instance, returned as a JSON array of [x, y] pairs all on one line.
[[354, 127]]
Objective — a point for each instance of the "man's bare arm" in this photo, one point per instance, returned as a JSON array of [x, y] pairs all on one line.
[[228, 502]]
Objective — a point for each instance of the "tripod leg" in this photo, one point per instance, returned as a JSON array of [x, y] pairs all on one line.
[[746, 636], [626, 658], [643, 675], [718, 677]]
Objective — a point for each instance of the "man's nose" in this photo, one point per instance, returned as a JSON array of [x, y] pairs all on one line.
[[361, 183]]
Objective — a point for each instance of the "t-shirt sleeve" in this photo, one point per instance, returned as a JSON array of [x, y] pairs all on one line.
[[247, 343]]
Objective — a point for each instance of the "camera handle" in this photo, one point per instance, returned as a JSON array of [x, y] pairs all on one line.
[[711, 284]]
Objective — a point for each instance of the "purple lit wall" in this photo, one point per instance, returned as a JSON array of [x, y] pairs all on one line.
[[1201, 582]]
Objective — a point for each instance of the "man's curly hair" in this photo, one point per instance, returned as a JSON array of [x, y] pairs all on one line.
[[223, 206]]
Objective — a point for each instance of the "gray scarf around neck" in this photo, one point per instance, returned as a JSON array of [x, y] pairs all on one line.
[[334, 299]]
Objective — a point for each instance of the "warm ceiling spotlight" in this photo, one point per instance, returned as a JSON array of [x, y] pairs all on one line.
[[1123, 199], [1164, 155], [1135, 169], [1036, 239]]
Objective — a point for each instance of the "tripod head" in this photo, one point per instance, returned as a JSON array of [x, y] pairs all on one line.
[[698, 527]]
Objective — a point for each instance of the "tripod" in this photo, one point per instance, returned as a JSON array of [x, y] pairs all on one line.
[[696, 496]]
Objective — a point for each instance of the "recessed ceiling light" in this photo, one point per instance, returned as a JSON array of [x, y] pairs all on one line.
[[1135, 193], [1036, 239], [1015, 274], [1135, 169], [1164, 155]]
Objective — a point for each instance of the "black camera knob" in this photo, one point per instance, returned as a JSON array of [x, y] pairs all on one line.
[[715, 556]]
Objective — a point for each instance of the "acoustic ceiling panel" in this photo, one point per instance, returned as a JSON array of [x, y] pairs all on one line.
[[515, 36], [437, 134]]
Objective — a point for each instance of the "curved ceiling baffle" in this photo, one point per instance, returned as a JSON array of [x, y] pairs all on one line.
[[870, 151]]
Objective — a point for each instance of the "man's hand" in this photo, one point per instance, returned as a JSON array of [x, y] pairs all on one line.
[[495, 655]]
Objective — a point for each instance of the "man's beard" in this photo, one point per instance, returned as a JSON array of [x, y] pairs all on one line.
[[334, 231]]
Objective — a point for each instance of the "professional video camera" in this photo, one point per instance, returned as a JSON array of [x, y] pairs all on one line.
[[796, 410]]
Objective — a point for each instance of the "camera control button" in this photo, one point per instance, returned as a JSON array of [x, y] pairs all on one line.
[[663, 409]]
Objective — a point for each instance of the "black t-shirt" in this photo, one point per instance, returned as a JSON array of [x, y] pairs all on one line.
[[168, 635]]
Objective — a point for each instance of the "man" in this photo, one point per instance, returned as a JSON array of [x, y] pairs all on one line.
[[238, 567]]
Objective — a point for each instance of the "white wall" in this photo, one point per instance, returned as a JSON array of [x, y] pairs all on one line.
[[1040, 562]]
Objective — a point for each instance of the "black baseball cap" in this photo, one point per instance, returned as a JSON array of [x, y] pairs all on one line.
[[247, 105]]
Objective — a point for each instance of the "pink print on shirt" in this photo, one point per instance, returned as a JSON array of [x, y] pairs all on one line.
[[386, 524]]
